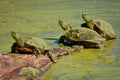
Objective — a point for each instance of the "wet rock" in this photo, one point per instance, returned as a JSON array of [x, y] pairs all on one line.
[[11, 64], [64, 51], [27, 66]]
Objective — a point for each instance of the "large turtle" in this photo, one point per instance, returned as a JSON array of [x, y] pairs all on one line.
[[100, 26], [80, 36], [33, 45]]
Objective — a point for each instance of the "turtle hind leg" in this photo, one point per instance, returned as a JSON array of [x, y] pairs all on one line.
[[51, 56]]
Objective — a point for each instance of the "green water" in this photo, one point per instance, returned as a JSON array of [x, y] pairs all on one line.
[[39, 18]]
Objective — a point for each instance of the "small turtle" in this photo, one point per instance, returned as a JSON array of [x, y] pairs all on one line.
[[80, 36], [33, 45], [100, 26]]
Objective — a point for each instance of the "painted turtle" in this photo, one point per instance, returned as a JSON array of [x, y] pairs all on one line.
[[100, 26], [33, 45], [80, 36]]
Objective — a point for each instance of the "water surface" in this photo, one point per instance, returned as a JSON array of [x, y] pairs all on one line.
[[39, 18]]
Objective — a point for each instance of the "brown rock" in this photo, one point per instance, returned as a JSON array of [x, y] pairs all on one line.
[[11, 64]]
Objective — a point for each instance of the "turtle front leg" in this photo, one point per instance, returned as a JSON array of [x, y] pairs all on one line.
[[62, 41], [36, 52], [13, 48]]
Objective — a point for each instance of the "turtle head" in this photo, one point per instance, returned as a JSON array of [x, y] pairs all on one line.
[[17, 38], [64, 26], [88, 20]]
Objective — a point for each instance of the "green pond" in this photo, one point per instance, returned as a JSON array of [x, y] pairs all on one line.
[[39, 18]]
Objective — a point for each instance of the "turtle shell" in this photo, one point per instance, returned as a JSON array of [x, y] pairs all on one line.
[[35, 42], [103, 28], [83, 34], [106, 28]]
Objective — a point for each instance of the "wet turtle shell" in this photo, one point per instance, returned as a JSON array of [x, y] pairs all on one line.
[[100, 26], [80, 36]]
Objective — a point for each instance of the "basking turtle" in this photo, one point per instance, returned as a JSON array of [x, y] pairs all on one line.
[[80, 36], [33, 45], [100, 26]]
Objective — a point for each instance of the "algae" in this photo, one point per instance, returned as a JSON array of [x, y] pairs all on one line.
[[39, 18]]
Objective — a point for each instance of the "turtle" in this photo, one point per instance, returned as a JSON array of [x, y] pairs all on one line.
[[29, 44], [80, 36], [100, 26]]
